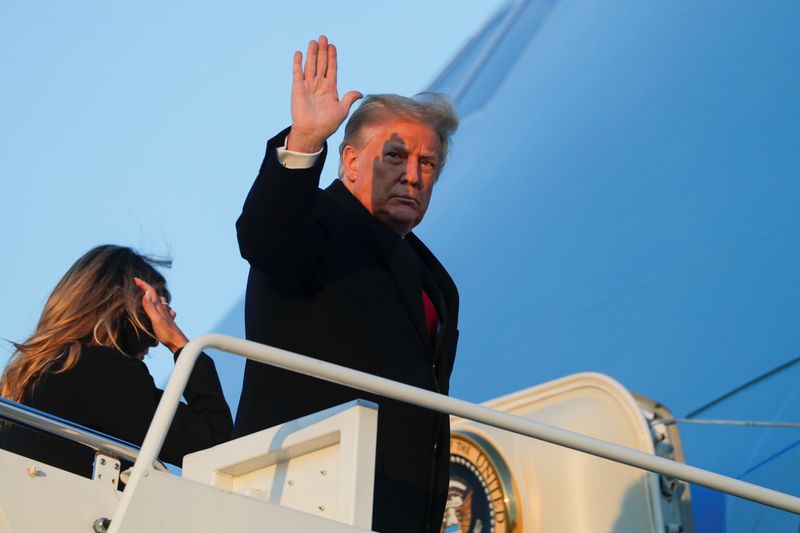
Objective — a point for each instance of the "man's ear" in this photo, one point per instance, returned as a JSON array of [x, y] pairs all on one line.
[[350, 163]]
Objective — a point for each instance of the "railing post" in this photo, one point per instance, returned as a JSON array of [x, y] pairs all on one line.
[[162, 419]]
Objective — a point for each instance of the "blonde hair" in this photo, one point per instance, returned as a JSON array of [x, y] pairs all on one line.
[[96, 303], [432, 109]]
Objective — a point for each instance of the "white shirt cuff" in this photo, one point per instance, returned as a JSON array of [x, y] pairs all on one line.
[[296, 160]]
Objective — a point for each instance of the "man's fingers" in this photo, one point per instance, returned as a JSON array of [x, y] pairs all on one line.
[[297, 67], [322, 57], [332, 63], [350, 98], [311, 60]]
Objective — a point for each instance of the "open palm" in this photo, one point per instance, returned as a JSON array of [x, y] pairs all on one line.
[[317, 111]]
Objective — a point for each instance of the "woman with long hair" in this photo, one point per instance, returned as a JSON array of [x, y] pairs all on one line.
[[84, 363]]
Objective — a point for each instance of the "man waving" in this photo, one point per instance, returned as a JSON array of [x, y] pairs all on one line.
[[337, 274]]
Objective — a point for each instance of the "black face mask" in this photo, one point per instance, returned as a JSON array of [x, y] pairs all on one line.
[[131, 340]]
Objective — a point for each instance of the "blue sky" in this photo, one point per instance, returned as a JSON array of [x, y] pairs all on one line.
[[144, 124]]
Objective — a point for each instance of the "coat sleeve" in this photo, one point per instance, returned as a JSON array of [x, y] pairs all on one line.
[[205, 420], [276, 230], [202, 422]]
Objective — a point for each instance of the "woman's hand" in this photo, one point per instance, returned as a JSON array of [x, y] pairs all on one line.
[[162, 317]]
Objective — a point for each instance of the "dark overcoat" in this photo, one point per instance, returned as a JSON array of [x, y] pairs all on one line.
[[329, 280], [113, 393]]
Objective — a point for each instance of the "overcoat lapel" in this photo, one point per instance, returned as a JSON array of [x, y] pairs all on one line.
[[401, 261], [446, 294], [405, 268]]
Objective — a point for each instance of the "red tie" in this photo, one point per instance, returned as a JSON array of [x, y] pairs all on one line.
[[431, 316]]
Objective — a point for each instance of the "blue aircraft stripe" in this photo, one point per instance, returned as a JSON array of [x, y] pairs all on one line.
[[768, 459]]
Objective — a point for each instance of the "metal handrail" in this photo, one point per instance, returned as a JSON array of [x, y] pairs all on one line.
[[430, 400], [59, 427]]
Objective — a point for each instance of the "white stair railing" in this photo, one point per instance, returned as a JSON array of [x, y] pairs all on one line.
[[423, 398], [25, 416]]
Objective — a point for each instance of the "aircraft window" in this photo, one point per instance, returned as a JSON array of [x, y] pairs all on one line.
[[523, 28]]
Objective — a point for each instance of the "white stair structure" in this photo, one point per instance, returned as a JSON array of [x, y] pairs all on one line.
[[312, 474], [322, 464], [315, 473]]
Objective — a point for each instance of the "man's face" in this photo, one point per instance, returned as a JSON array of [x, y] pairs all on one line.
[[392, 170]]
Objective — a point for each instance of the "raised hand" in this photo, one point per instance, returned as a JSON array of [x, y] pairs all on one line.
[[162, 317], [317, 111]]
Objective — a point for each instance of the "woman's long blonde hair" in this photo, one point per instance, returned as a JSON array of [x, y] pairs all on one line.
[[95, 303]]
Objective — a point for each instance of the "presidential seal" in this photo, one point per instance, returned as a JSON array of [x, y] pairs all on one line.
[[482, 496]]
